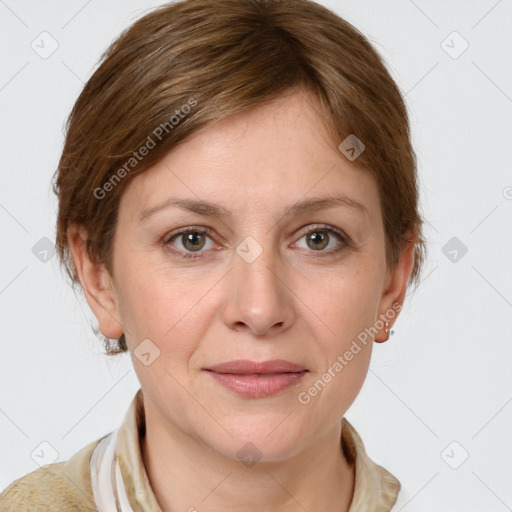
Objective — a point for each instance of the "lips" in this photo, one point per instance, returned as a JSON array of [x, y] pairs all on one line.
[[243, 367], [256, 380]]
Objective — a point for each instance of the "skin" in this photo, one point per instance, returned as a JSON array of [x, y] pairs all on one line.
[[290, 303]]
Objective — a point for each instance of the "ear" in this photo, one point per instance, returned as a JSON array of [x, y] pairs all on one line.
[[395, 286], [96, 283]]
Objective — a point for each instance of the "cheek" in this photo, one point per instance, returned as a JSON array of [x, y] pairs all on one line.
[[163, 306], [345, 358], [348, 306], [348, 303]]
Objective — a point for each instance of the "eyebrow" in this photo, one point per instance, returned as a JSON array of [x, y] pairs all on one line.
[[211, 209]]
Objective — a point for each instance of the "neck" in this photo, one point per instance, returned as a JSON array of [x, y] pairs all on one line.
[[187, 475]]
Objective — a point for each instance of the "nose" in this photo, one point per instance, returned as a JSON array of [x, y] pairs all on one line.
[[260, 300]]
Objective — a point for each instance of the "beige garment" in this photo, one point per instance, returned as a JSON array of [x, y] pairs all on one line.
[[66, 486]]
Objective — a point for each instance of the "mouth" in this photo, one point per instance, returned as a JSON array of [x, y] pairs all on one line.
[[256, 380]]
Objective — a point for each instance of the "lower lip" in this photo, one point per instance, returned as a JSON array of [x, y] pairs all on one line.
[[257, 385]]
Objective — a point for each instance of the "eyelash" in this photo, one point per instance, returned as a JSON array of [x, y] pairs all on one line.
[[206, 231]]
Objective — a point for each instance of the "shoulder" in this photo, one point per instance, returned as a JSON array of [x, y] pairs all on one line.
[[54, 487]]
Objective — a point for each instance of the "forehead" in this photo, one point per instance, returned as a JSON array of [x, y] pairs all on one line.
[[260, 160]]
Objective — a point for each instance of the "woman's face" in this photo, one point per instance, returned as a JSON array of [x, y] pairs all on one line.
[[198, 285]]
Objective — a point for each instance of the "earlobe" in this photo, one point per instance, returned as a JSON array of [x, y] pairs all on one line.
[[96, 283]]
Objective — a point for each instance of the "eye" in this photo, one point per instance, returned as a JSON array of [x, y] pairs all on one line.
[[191, 240], [319, 238]]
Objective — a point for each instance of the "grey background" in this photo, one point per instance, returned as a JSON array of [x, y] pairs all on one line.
[[436, 407]]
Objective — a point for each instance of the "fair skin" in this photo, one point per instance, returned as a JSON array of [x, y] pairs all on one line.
[[286, 304]]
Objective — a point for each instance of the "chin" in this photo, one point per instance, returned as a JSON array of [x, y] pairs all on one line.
[[258, 440]]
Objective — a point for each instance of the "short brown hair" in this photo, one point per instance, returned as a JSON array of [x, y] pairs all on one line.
[[198, 61]]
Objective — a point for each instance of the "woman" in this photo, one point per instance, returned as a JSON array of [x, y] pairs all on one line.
[[238, 201]]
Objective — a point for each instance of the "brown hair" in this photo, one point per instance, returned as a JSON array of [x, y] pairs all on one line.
[[193, 62]]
